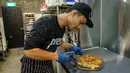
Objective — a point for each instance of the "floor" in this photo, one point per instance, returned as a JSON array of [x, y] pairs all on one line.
[[12, 62]]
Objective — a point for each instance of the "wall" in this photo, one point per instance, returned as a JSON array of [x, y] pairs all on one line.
[[111, 38], [95, 32], [91, 36], [110, 22], [125, 44], [27, 5], [116, 26], [32, 6]]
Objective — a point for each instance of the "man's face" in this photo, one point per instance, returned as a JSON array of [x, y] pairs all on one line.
[[75, 21]]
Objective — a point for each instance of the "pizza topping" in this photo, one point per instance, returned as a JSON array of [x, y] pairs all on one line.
[[91, 62]]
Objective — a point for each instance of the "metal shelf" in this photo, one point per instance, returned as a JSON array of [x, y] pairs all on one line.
[[2, 51], [29, 19], [52, 8]]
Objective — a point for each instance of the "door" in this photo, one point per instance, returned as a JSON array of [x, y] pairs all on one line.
[[13, 26]]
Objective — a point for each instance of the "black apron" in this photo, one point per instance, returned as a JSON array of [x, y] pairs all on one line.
[[36, 66]]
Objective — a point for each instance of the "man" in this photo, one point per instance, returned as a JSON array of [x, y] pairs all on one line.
[[46, 36]]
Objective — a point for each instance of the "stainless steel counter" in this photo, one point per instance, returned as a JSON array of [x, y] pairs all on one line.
[[113, 63]]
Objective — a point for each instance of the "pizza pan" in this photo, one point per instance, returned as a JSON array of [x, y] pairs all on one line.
[[75, 64]]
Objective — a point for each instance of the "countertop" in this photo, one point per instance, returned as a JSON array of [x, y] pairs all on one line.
[[113, 63]]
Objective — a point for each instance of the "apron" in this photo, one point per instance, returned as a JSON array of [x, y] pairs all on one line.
[[36, 66]]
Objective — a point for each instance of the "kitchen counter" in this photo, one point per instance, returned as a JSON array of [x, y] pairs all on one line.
[[113, 63]]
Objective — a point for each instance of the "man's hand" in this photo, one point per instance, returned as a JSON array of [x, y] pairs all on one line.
[[64, 58], [77, 50]]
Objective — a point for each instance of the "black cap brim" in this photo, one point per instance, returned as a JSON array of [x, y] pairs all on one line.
[[89, 23]]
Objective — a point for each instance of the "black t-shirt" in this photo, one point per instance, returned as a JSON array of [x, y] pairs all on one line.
[[46, 34]]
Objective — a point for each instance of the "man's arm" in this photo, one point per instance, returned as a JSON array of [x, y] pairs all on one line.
[[36, 39], [39, 54], [65, 45]]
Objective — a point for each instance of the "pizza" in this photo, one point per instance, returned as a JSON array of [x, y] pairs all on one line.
[[90, 62]]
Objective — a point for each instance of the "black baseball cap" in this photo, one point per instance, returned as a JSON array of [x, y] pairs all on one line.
[[86, 11]]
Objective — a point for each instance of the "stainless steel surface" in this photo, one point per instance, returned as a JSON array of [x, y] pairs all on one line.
[[125, 28], [84, 49], [91, 48], [91, 36], [113, 63], [110, 24], [89, 2], [101, 23]]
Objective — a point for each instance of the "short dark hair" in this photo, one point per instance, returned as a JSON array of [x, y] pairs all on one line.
[[69, 9]]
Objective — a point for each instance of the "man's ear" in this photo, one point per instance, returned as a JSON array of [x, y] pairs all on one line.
[[74, 12]]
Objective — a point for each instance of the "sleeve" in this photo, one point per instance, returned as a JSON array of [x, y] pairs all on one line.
[[37, 36]]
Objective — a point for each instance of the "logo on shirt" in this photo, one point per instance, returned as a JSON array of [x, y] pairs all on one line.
[[56, 41]]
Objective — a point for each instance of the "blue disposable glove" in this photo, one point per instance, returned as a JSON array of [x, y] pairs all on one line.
[[77, 50], [64, 58]]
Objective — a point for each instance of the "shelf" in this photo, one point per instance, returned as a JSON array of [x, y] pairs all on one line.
[[64, 7], [47, 12], [30, 17], [27, 30], [52, 8], [28, 24], [27, 33]]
